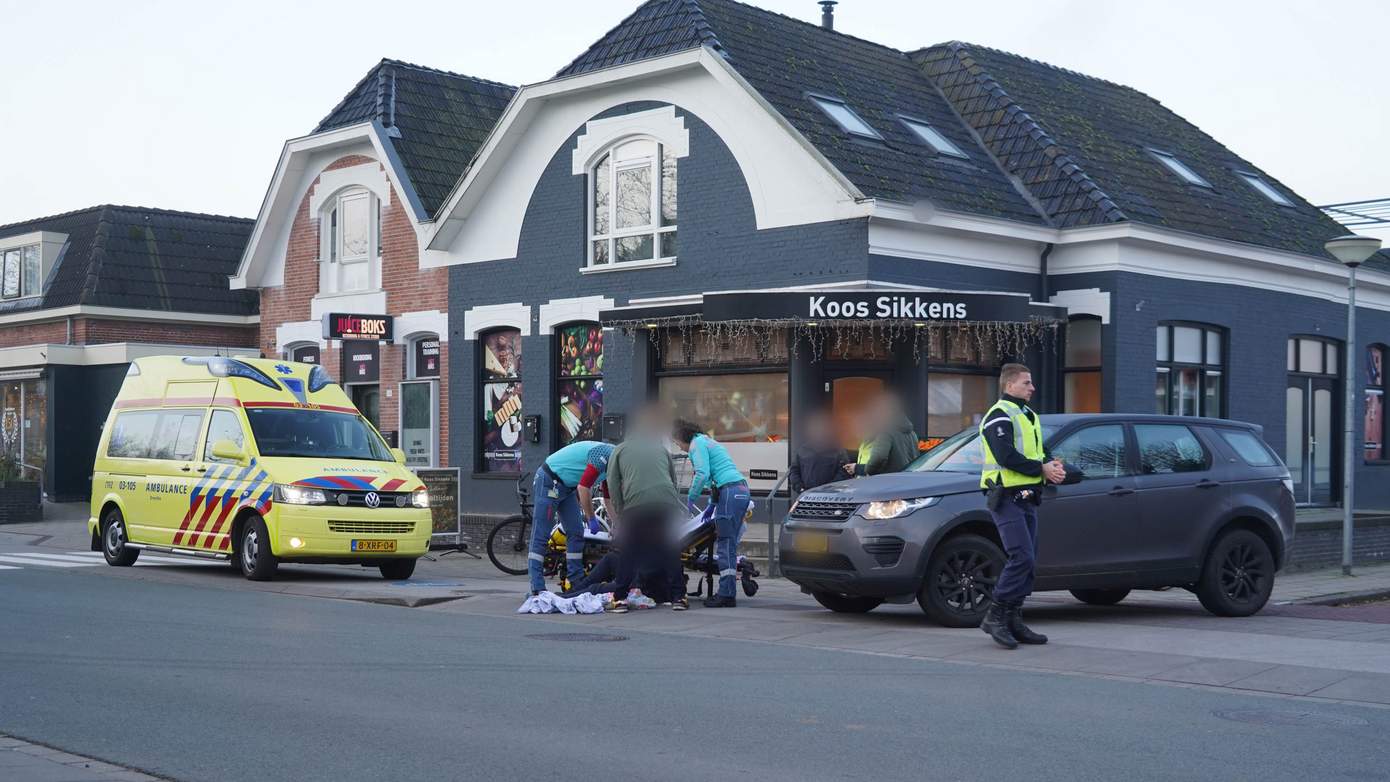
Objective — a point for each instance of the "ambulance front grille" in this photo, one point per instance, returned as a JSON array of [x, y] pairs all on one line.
[[372, 527]]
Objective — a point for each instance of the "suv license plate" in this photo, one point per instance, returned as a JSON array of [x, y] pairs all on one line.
[[374, 545], [811, 542]]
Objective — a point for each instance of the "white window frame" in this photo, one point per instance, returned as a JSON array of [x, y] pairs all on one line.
[[654, 228], [933, 138], [1180, 169], [332, 258], [1264, 188], [19, 251], [827, 105]]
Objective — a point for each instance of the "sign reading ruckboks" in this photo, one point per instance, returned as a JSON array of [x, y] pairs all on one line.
[[341, 325], [871, 305]]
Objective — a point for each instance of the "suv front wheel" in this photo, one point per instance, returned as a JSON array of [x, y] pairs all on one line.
[[1238, 575], [960, 580]]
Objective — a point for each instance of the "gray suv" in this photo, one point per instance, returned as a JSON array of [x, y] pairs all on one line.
[[1165, 501]]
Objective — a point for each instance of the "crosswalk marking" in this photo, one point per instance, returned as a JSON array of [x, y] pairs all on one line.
[[59, 557], [22, 560], [15, 560], [8, 567]]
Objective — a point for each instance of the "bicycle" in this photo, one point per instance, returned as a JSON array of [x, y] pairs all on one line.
[[509, 541]]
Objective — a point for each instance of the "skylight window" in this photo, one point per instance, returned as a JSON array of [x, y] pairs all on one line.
[[1180, 168], [845, 117], [933, 138], [1265, 189]]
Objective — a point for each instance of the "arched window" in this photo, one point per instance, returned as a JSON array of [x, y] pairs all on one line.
[[1191, 364], [422, 357], [632, 204], [499, 401], [1375, 403], [1082, 369], [350, 242], [307, 352], [579, 381]]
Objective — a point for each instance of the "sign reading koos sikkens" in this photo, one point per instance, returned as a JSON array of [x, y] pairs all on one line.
[[887, 307], [873, 305], [339, 325]]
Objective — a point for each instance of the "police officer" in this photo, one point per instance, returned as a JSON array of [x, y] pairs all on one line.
[[1015, 469]]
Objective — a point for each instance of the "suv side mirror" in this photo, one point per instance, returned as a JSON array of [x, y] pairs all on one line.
[[398, 455], [229, 451]]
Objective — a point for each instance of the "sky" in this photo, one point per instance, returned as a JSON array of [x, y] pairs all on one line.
[[186, 104]]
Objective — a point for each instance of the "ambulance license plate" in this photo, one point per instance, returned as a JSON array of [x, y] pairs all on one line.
[[374, 545], [811, 542]]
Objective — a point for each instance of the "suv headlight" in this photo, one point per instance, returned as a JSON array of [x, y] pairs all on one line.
[[299, 495], [892, 509], [420, 498]]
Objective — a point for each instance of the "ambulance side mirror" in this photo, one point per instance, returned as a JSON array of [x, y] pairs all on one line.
[[398, 455], [228, 451]]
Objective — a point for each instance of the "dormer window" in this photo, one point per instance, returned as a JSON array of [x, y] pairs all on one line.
[[1265, 189], [632, 196], [351, 242], [845, 117], [1180, 168], [20, 272]]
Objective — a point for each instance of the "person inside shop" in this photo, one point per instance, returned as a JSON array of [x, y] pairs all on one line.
[[715, 470], [643, 504], [1015, 469], [889, 440], [820, 459], [563, 490]]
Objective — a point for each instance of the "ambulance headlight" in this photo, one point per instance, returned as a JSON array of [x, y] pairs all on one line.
[[892, 509], [299, 495], [420, 498]]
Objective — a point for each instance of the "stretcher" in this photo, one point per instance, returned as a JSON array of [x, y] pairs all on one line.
[[696, 541]]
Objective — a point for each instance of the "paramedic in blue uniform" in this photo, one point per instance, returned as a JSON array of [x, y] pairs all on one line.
[[729, 493], [1015, 470], [563, 488]]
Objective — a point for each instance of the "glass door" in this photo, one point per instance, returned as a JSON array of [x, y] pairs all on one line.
[[419, 422], [1311, 439], [367, 400]]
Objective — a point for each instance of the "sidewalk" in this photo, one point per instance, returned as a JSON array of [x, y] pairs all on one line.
[[21, 761]]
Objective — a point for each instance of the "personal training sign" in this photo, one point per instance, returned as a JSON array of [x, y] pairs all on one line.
[[339, 325], [872, 305]]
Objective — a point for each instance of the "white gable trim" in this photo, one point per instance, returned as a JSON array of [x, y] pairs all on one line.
[[490, 316], [298, 333], [410, 325], [600, 134], [789, 182], [301, 161], [557, 311], [367, 175]]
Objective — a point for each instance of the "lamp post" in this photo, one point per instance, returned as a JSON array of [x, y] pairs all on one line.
[[1351, 250]]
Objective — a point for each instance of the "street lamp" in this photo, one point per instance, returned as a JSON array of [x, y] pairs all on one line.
[[1351, 250]]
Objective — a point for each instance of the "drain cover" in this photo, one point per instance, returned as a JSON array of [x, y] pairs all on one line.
[[1291, 718], [578, 637]]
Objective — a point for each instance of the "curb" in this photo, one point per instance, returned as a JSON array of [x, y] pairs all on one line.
[[1341, 597]]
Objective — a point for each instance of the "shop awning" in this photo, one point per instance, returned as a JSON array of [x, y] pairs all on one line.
[[791, 308]]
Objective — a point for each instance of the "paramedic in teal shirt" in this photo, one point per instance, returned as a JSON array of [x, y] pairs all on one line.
[[563, 490], [729, 493]]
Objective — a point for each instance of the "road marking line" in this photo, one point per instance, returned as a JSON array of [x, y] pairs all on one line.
[[59, 557], [155, 558], [46, 563], [10, 567]]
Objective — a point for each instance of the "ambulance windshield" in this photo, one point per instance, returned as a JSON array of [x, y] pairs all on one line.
[[317, 434]]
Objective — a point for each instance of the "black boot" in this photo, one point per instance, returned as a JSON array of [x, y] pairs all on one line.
[[719, 601], [996, 624], [1020, 630]]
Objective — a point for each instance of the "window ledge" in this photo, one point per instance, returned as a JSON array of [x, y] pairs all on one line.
[[657, 263]]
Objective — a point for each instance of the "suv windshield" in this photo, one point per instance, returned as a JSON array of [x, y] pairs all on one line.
[[315, 433], [959, 453]]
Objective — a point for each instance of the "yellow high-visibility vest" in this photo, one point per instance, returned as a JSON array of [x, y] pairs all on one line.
[[1027, 439]]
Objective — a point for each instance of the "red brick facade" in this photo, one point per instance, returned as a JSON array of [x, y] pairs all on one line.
[[100, 331], [408, 289]]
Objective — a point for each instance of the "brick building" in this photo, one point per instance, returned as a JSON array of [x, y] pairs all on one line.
[[84, 293], [337, 244]]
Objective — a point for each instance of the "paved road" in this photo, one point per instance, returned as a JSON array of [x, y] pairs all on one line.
[[196, 680]]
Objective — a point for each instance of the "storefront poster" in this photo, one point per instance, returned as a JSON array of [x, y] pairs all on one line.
[[581, 350], [502, 401], [443, 488], [427, 358], [1375, 425], [581, 410], [361, 361], [307, 354]]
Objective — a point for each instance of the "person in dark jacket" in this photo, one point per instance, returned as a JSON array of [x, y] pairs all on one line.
[[893, 442], [820, 459]]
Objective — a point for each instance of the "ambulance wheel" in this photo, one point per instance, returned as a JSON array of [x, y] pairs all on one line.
[[397, 569], [113, 540], [258, 562]]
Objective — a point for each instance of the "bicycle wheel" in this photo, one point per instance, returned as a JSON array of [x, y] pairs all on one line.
[[507, 544]]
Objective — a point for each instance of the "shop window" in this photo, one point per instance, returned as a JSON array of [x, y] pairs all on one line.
[[424, 357], [696, 349], [746, 412], [20, 272], [499, 395], [24, 421], [1190, 370], [957, 401], [1081, 371], [632, 204], [351, 244], [579, 375], [1315, 356], [1375, 404]]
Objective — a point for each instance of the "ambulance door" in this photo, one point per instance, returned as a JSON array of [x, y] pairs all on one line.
[[172, 471], [221, 485]]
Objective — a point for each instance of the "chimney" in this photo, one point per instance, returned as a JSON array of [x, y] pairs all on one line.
[[827, 14]]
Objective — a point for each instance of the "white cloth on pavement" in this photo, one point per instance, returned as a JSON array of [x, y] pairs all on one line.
[[548, 602]]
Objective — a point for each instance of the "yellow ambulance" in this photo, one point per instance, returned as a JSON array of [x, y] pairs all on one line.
[[255, 461]]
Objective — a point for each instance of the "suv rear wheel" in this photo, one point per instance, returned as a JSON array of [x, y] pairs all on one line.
[[960, 579], [1238, 575], [845, 604], [1100, 597]]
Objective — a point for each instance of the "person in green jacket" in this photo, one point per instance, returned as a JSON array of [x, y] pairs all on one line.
[[642, 504], [892, 444]]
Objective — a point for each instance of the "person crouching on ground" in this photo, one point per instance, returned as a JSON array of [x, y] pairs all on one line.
[[642, 503], [1015, 469], [563, 490], [729, 493]]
